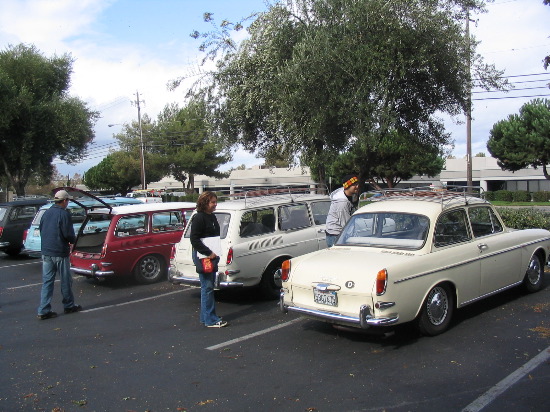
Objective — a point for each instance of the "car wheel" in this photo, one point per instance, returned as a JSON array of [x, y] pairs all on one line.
[[150, 269], [436, 312], [534, 275], [270, 284]]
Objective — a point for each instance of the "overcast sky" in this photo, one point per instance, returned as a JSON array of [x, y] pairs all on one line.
[[124, 46]]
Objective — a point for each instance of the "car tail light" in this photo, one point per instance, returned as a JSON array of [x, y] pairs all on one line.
[[25, 233], [1, 230], [285, 270], [103, 250], [381, 282], [229, 256], [173, 252]]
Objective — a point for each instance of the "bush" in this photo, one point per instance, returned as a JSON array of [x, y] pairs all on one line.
[[543, 196], [521, 196], [488, 195], [503, 195], [524, 218]]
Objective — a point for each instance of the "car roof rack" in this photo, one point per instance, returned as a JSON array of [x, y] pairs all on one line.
[[292, 193], [446, 195]]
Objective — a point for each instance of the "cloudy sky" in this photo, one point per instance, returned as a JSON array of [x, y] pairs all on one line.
[[122, 47]]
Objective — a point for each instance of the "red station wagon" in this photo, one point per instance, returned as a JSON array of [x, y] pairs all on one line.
[[129, 240]]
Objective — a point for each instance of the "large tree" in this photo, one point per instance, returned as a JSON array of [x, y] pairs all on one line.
[[328, 77], [523, 139], [39, 120], [183, 140], [120, 171]]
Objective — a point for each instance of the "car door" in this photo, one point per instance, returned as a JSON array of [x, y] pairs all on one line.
[[457, 254], [319, 212], [500, 258], [300, 235]]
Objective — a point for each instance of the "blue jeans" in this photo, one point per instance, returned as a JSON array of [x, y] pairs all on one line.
[[52, 265], [331, 239], [208, 301]]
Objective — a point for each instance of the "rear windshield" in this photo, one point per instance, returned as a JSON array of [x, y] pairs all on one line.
[[223, 221], [3, 211], [96, 223], [385, 230]]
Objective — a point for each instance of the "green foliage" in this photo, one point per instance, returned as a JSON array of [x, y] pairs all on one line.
[[489, 195], [521, 196], [523, 139], [503, 195], [38, 119], [318, 78], [543, 196], [192, 197], [524, 218]]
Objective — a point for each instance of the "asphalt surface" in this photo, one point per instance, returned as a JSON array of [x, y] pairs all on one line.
[[142, 348]]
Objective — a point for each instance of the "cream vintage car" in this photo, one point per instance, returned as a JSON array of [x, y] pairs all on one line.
[[414, 256], [259, 230]]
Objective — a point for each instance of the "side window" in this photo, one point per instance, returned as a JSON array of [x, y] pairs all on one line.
[[22, 212], [132, 225], [167, 221], [320, 212], [484, 221], [451, 227], [257, 222], [293, 217]]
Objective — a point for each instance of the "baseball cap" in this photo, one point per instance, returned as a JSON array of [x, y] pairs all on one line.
[[62, 195]]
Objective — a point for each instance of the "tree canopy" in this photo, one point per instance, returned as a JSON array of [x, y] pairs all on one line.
[[523, 139], [177, 143], [323, 78], [38, 119]]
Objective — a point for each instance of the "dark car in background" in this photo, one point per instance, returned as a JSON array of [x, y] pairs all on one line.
[[15, 218]]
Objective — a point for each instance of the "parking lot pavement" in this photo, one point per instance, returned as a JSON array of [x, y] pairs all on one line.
[[141, 347]]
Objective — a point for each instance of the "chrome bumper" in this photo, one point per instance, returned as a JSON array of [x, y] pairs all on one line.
[[364, 320], [178, 279], [93, 272]]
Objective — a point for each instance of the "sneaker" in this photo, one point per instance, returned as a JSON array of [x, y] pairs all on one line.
[[218, 324], [73, 309], [48, 315]]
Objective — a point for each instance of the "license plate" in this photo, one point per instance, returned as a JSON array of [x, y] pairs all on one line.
[[327, 297]]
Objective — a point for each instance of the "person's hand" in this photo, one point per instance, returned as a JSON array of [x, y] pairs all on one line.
[[212, 256]]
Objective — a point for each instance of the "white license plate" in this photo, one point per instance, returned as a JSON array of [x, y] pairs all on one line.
[[327, 297]]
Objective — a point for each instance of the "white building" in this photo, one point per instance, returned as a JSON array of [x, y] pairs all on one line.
[[485, 173]]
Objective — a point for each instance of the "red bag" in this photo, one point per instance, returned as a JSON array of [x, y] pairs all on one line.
[[207, 265]]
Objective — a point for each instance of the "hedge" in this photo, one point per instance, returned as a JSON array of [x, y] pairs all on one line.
[[524, 217]]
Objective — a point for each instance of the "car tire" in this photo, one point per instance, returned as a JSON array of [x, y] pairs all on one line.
[[534, 275], [150, 269], [269, 287], [437, 311]]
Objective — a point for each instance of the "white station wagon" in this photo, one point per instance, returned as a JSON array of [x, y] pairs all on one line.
[[414, 256], [258, 232]]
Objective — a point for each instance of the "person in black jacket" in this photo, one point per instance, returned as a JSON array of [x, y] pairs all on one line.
[[205, 225], [57, 233]]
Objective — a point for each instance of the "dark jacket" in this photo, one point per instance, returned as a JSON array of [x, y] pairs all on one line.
[[56, 231], [203, 225]]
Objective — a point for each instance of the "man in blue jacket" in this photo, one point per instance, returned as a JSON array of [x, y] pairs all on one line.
[[57, 233]]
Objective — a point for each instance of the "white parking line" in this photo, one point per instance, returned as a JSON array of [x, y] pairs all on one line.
[[253, 335], [28, 286], [135, 301], [507, 382], [21, 264]]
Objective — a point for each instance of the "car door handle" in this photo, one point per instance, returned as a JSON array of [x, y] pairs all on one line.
[[321, 231], [482, 247]]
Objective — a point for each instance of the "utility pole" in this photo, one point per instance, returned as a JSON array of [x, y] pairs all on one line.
[[142, 147], [469, 108]]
